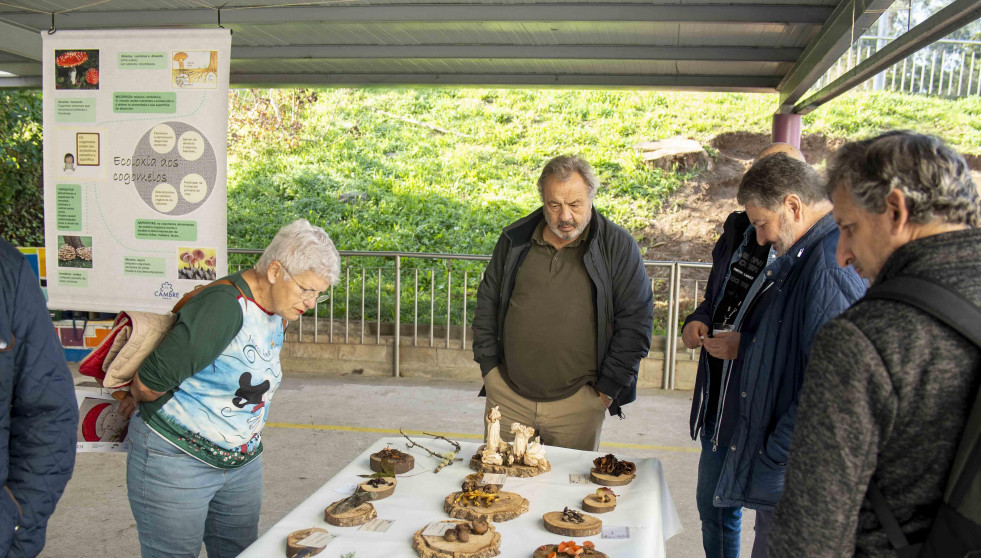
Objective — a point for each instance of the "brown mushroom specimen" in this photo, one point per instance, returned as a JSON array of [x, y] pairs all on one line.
[[180, 57], [71, 60]]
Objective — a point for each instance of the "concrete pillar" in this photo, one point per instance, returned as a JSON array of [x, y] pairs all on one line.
[[786, 129]]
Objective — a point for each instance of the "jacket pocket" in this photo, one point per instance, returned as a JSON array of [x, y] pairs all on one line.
[[12, 507], [766, 480]]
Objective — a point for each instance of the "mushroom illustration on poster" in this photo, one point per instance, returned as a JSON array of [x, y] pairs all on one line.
[[101, 427], [135, 132]]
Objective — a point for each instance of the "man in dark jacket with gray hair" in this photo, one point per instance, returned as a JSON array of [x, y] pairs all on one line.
[[889, 387], [38, 411], [564, 314], [802, 289]]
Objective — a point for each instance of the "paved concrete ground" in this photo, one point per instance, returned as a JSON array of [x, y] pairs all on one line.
[[93, 518]]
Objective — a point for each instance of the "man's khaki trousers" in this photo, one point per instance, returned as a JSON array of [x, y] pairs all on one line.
[[574, 422]]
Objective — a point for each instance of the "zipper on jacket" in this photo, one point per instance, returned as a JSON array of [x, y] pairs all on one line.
[[722, 398], [727, 377]]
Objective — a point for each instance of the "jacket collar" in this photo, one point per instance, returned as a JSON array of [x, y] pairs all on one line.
[[521, 231], [812, 237], [930, 252]]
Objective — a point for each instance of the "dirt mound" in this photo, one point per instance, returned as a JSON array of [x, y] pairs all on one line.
[[692, 218], [691, 221]]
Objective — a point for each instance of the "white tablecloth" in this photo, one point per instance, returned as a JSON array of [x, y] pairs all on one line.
[[645, 506]]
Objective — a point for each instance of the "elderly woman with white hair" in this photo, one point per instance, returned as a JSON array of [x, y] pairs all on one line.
[[194, 471]]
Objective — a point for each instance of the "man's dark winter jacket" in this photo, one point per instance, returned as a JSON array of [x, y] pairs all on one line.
[[622, 296], [38, 413], [810, 289], [887, 394]]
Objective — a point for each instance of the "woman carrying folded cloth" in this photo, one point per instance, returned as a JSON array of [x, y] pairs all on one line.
[[194, 471]]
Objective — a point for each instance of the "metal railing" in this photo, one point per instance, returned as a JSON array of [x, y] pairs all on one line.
[[371, 294], [948, 68]]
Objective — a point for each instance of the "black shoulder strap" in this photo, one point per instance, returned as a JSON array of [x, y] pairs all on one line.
[[961, 315]]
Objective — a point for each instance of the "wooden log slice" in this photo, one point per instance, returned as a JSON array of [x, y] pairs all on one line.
[[555, 524], [546, 549], [399, 466], [592, 504], [358, 516], [479, 546], [510, 470], [604, 479], [292, 549], [382, 491], [508, 505]]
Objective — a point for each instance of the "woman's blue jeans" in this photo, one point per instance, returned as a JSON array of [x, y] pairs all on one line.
[[178, 501], [720, 526]]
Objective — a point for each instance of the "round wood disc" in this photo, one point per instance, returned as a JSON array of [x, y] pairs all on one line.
[[383, 491], [358, 516], [510, 470], [555, 524], [479, 546], [592, 504], [609, 480], [544, 550], [293, 549], [508, 505], [398, 465]]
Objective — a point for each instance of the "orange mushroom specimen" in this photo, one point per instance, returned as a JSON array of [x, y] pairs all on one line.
[[92, 76], [71, 60], [180, 57]]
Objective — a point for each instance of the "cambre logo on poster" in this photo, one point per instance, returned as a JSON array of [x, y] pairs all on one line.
[[167, 291]]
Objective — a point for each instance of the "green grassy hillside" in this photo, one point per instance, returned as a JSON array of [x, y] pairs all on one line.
[[443, 170]]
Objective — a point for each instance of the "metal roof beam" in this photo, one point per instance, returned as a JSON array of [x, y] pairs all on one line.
[[554, 52], [20, 41], [849, 20], [949, 19], [31, 82], [402, 13], [764, 84], [754, 84]]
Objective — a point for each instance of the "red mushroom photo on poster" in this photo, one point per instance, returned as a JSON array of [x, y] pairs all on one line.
[[77, 69]]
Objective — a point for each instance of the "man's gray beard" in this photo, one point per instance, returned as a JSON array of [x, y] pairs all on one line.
[[785, 237], [567, 236]]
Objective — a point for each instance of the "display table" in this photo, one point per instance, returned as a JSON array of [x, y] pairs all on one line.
[[644, 506]]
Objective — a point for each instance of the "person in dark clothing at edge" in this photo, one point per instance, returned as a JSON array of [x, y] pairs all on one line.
[[802, 289], [737, 265], [564, 314], [38, 410], [889, 387]]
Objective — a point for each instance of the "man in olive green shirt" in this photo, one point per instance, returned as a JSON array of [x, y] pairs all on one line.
[[564, 314]]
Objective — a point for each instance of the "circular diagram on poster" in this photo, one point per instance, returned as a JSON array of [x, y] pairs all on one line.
[[174, 168]]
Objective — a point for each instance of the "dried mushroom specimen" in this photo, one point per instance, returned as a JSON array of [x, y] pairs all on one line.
[[610, 465], [572, 516]]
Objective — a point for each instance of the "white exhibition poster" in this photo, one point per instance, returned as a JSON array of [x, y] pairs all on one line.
[[135, 133]]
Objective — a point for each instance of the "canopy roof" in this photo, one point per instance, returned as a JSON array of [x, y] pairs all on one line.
[[742, 45]]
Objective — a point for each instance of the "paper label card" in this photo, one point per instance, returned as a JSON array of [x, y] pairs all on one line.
[[494, 478], [579, 478], [438, 528], [317, 539], [377, 525], [613, 532]]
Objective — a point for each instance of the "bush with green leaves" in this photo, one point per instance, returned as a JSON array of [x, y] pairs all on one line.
[[20, 168]]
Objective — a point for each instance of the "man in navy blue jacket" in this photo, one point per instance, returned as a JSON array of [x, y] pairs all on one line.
[[801, 290], [38, 412]]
